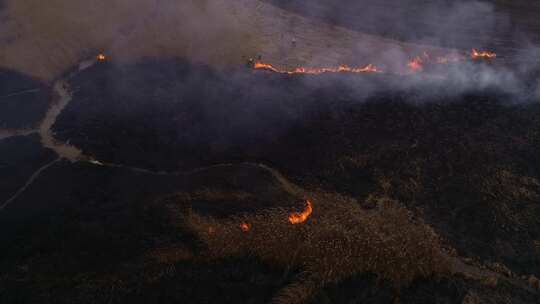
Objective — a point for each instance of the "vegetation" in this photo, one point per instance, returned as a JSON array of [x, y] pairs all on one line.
[[338, 241]]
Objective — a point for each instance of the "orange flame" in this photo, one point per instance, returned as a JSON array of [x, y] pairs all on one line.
[[300, 217], [245, 227], [416, 64], [475, 54], [101, 57], [370, 68]]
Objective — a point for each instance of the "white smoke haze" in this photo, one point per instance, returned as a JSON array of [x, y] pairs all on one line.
[[455, 26], [45, 39]]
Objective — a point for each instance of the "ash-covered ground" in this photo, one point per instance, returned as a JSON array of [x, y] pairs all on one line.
[[163, 179], [23, 101]]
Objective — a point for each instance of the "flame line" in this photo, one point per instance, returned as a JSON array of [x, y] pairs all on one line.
[[416, 64], [300, 217], [370, 68]]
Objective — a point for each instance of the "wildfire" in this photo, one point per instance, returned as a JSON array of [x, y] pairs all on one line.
[[416, 64], [101, 57], [475, 54], [370, 68], [300, 217], [245, 227]]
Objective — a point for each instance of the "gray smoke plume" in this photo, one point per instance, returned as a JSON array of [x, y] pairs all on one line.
[[454, 25]]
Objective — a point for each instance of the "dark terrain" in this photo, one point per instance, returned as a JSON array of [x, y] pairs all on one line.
[[468, 165], [21, 157], [23, 100], [421, 194], [469, 162]]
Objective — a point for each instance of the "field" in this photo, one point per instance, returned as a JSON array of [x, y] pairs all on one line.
[[192, 177]]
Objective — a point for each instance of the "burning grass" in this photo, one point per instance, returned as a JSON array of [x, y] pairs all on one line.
[[370, 68], [338, 240], [414, 65]]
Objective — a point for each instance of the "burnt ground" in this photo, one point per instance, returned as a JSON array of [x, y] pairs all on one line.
[[468, 165], [23, 100], [469, 162], [21, 157], [80, 228], [92, 234]]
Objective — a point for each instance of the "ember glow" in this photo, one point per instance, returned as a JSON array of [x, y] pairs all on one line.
[[475, 54], [245, 227], [370, 68], [300, 217], [101, 57], [416, 64]]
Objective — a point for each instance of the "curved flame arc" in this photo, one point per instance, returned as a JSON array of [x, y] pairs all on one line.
[[300, 217]]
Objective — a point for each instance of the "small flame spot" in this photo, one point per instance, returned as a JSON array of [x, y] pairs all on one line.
[[245, 227], [475, 54], [300, 217], [416, 64]]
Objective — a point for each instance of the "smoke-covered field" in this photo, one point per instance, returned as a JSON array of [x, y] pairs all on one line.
[[48, 40], [501, 25]]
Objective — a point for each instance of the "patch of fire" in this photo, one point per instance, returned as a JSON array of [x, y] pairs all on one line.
[[416, 64], [300, 217], [101, 57], [475, 54], [245, 227], [370, 68]]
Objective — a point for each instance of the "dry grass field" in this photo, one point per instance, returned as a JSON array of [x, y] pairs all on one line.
[[44, 39]]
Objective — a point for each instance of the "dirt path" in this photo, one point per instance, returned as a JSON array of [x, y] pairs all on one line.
[[28, 183], [5, 133], [63, 150]]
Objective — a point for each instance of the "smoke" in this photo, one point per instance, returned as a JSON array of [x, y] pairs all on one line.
[[198, 112], [45, 40], [440, 22], [438, 27]]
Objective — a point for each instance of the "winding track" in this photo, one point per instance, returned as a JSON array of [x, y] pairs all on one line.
[[7, 133], [63, 150], [28, 183]]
